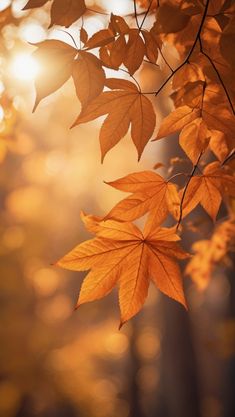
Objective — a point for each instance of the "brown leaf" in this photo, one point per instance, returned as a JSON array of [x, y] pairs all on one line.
[[112, 55], [31, 4], [83, 35], [101, 38], [66, 12], [151, 46], [135, 51], [56, 60], [118, 24], [88, 77]]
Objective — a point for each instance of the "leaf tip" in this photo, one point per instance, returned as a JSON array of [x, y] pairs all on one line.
[[77, 306], [121, 324]]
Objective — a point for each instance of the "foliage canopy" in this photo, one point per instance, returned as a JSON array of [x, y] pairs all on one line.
[[201, 34]]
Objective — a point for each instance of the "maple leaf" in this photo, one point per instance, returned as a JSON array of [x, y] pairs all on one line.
[[177, 120], [151, 193], [124, 106], [121, 254], [194, 139], [56, 60], [208, 189]]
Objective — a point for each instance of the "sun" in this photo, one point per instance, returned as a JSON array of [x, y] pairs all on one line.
[[24, 67]]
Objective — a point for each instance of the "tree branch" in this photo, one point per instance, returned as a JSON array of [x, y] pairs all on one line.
[[146, 14], [186, 60], [218, 75], [136, 18], [185, 189]]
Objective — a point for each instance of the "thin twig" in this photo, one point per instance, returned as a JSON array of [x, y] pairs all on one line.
[[186, 60], [149, 62], [97, 11], [185, 189], [136, 18], [177, 175], [69, 34], [218, 75], [164, 59], [133, 78], [229, 157], [146, 14]]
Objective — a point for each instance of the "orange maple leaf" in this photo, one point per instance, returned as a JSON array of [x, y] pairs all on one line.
[[121, 254], [208, 190], [151, 193], [124, 106]]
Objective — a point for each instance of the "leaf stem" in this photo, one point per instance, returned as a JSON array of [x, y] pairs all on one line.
[[177, 175], [133, 78], [229, 157]]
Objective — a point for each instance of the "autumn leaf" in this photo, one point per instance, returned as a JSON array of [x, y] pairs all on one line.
[[118, 24], [124, 106], [121, 254], [208, 189], [190, 72], [194, 139], [112, 55], [56, 60], [31, 4], [63, 12], [66, 12], [151, 193], [151, 47], [101, 38], [135, 51], [177, 120], [166, 24], [88, 77]]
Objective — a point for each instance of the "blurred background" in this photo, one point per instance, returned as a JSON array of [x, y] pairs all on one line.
[[55, 362]]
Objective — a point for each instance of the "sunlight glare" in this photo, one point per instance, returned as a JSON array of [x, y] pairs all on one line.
[[24, 67]]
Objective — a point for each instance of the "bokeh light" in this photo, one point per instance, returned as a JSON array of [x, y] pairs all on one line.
[[24, 67]]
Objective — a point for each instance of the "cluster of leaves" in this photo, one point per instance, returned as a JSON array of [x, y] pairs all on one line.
[[202, 34]]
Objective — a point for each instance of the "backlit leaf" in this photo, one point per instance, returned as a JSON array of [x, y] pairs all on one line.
[[131, 263]]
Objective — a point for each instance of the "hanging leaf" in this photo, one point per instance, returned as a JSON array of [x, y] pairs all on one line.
[[121, 254]]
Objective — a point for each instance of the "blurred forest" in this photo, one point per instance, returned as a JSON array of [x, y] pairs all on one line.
[[55, 362]]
